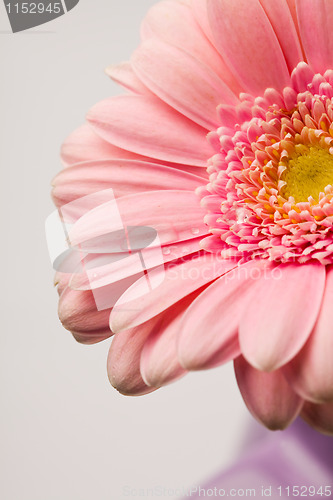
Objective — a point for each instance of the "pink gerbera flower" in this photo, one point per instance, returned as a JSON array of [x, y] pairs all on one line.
[[223, 144]]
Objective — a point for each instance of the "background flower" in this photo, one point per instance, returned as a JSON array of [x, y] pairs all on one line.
[[240, 266], [277, 466]]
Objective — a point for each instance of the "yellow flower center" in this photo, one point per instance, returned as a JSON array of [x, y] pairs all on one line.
[[309, 170]]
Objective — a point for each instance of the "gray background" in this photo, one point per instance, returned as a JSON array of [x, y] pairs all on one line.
[[65, 433]]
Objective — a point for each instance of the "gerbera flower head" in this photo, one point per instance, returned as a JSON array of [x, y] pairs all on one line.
[[223, 145]]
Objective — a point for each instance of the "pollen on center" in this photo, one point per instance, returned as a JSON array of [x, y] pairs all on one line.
[[309, 171]]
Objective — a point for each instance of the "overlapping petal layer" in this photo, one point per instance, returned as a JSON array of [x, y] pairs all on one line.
[[228, 103]]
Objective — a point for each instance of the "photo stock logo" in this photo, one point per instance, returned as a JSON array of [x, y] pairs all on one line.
[[25, 15]]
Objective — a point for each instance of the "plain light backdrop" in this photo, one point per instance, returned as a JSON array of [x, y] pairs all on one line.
[[66, 434]]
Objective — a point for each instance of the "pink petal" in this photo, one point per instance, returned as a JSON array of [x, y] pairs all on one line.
[[319, 416], [282, 22], [301, 77], [209, 331], [267, 395], [159, 360], [199, 8], [124, 176], [178, 280], [311, 372], [212, 244], [286, 303], [124, 360], [85, 145], [247, 42], [179, 79], [293, 11], [175, 215], [175, 24], [147, 126], [78, 314], [315, 22], [123, 75], [292, 8]]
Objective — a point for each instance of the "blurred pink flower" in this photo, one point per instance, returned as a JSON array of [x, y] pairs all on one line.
[[297, 463], [244, 218]]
